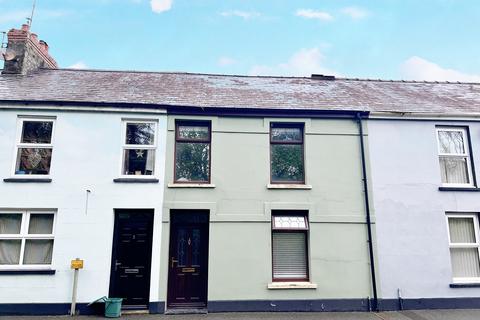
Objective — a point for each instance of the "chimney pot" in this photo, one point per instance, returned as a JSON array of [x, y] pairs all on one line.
[[25, 27], [43, 45], [34, 37]]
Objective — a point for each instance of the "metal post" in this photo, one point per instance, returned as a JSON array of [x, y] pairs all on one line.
[[74, 293]]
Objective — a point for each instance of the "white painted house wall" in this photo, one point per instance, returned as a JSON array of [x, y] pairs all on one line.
[[412, 233], [86, 155]]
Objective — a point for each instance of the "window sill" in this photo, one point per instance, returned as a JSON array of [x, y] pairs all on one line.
[[27, 272], [28, 180], [135, 180], [289, 186], [190, 185], [465, 285], [291, 285], [458, 189]]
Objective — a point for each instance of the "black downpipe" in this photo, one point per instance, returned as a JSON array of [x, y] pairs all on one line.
[[367, 209]]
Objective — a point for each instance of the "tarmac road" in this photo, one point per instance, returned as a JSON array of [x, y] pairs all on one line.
[[401, 315]]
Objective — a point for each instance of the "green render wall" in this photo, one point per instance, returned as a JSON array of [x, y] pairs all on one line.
[[240, 205]]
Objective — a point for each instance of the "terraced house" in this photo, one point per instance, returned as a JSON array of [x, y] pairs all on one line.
[[194, 193]]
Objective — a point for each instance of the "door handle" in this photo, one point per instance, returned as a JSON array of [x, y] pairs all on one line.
[[117, 264], [173, 261]]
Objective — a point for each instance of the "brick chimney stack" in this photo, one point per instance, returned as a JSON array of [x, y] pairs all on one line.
[[29, 54]]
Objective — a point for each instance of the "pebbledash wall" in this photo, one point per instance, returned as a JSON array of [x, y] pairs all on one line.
[[86, 156], [240, 205], [413, 248]]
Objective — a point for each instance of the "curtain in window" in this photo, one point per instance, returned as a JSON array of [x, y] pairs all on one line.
[[462, 230], [465, 262], [289, 255], [10, 251], [40, 224], [38, 252], [10, 223], [454, 170]]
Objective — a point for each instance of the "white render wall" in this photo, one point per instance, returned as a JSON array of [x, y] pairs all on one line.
[[86, 155], [412, 233]]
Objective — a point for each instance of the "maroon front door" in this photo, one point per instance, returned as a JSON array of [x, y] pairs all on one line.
[[188, 260]]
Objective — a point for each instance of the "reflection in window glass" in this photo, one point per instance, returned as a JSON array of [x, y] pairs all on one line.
[[451, 142], [37, 132], [33, 161], [140, 133], [287, 163], [192, 162], [138, 161], [286, 134]]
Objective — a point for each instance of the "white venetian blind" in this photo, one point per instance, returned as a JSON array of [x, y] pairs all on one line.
[[289, 255]]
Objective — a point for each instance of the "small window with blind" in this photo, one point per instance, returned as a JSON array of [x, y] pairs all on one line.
[[26, 239], [464, 247], [290, 246], [454, 156]]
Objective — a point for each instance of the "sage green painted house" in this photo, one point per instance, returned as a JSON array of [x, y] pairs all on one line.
[[240, 200]]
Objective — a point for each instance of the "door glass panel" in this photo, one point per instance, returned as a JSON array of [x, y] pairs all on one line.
[[182, 247], [196, 247]]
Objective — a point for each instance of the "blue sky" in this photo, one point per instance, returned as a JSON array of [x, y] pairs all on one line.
[[388, 39]]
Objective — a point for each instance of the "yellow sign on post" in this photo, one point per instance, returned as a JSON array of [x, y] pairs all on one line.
[[77, 264]]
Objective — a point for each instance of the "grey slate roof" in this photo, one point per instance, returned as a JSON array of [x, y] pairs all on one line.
[[203, 90]]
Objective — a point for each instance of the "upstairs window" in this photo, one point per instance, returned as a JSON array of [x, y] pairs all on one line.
[[454, 156], [192, 152], [464, 247], [26, 238], [286, 153], [139, 148], [289, 246], [34, 147]]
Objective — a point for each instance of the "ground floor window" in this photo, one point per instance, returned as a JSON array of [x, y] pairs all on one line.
[[26, 238], [290, 245], [464, 247]]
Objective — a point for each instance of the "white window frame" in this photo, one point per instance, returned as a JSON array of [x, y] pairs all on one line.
[[466, 155], [23, 235], [473, 216], [19, 145], [126, 146]]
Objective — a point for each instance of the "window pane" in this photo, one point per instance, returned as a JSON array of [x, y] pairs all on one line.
[[465, 262], [287, 134], [10, 251], [287, 163], [40, 224], [140, 133], [33, 161], [454, 170], [10, 223], [37, 132], [451, 142], [289, 256], [461, 230], [192, 162], [138, 162], [288, 222], [193, 132], [38, 252]]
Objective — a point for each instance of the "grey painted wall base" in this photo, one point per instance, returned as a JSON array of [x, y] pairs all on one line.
[[289, 305], [428, 303]]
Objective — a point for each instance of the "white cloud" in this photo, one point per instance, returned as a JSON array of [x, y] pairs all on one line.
[[160, 6], [314, 14], [78, 65], [355, 12], [226, 61], [416, 68], [302, 63], [242, 14]]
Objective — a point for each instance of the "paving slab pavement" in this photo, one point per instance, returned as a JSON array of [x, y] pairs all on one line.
[[401, 315]]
